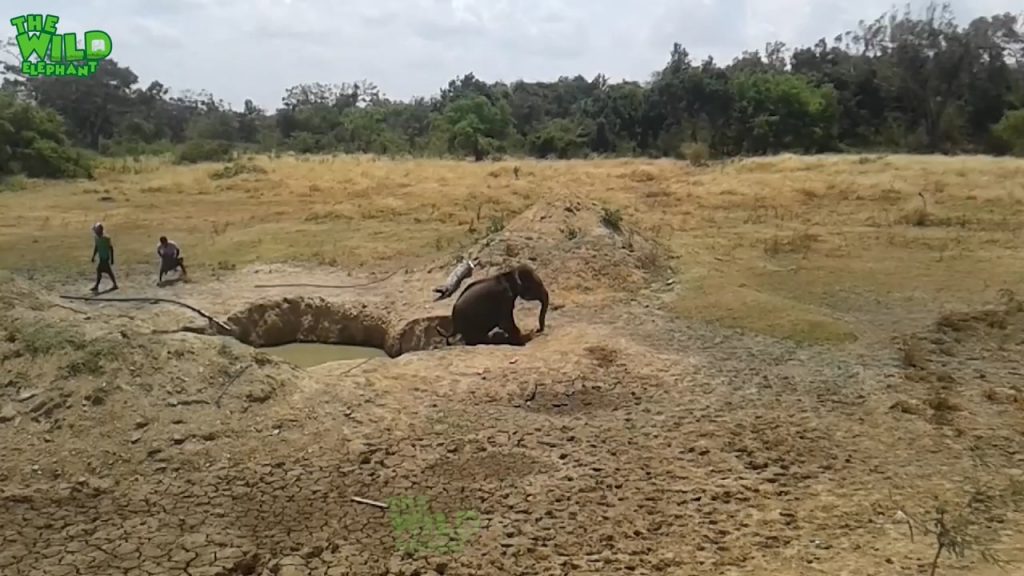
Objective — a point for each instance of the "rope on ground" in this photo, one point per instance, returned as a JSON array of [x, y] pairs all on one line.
[[304, 285], [208, 317], [354, 367]]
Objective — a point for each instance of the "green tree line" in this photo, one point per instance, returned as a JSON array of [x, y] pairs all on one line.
[[902, 82]]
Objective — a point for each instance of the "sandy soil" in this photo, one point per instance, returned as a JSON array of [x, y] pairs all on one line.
[[624, 440]]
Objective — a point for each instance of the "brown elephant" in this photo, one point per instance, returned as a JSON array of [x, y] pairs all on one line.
[[488, 303]]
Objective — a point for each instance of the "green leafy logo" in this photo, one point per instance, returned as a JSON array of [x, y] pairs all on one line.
[[46, 52]]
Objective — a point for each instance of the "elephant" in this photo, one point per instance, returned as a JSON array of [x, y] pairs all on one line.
[[488, 303]]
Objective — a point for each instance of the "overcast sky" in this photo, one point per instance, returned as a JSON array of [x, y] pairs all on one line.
[[240, 49]]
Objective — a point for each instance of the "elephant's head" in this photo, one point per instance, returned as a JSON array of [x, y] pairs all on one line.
[[526, 284]]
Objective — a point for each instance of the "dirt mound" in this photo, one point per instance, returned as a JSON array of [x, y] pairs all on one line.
[[994, 331], [967, 358], [576, 244], [70, 378]]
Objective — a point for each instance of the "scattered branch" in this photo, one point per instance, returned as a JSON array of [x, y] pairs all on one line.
[[952, 533], [373, 503], [224, 327], [354, 367]]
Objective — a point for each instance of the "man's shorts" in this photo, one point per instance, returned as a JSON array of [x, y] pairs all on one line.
[[103, 267]]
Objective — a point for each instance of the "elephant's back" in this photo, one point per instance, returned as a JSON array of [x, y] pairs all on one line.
[[479, 301]]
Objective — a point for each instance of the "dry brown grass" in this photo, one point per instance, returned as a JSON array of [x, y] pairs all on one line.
[[812, 248]]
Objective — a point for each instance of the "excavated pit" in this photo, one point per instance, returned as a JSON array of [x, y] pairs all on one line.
[[316, 319]]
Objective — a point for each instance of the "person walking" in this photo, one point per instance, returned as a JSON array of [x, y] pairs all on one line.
[[170, 258], [103, 248]]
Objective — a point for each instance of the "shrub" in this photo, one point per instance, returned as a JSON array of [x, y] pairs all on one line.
[[1009, 133], [236, 169], [196, 151], [696, 153], [34, 143], [119, 147]]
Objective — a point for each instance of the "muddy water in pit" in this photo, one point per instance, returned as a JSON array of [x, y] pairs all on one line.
[[308, 354]]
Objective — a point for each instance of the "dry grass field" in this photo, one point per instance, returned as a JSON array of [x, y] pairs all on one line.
[[770, 366], [818, 249]]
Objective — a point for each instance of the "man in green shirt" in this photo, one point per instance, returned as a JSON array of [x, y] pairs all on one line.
[[103, 248]]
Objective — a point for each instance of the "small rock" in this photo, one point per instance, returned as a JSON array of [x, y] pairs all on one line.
[[1002, 395], [97, 397], [7, 414], [259, 395], [292, 561], [172, 401], [39, 405], [312, 552], [141, 423], [27, 395], [135, 438], [177, 439]]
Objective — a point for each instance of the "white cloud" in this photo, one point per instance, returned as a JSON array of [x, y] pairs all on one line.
[[257, 48]]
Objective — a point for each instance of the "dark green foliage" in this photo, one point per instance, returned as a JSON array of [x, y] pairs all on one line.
[[1009, 133], [195, 151], [905, 81], [777, 112], [561, 138], [32, 142]]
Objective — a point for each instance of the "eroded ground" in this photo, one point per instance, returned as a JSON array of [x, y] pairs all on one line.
[[630, 438]]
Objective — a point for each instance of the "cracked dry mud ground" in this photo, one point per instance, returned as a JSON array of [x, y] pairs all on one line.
[[622, 441], [648, 449]]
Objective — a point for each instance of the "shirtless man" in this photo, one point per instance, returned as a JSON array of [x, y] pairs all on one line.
[[170, 258]]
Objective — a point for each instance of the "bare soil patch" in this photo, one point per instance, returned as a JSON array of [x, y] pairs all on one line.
[[697, 404]]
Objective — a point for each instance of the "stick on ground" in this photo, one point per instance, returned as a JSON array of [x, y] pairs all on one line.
[[354, 367], [374, 503], [208, 317], [229, 383]]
